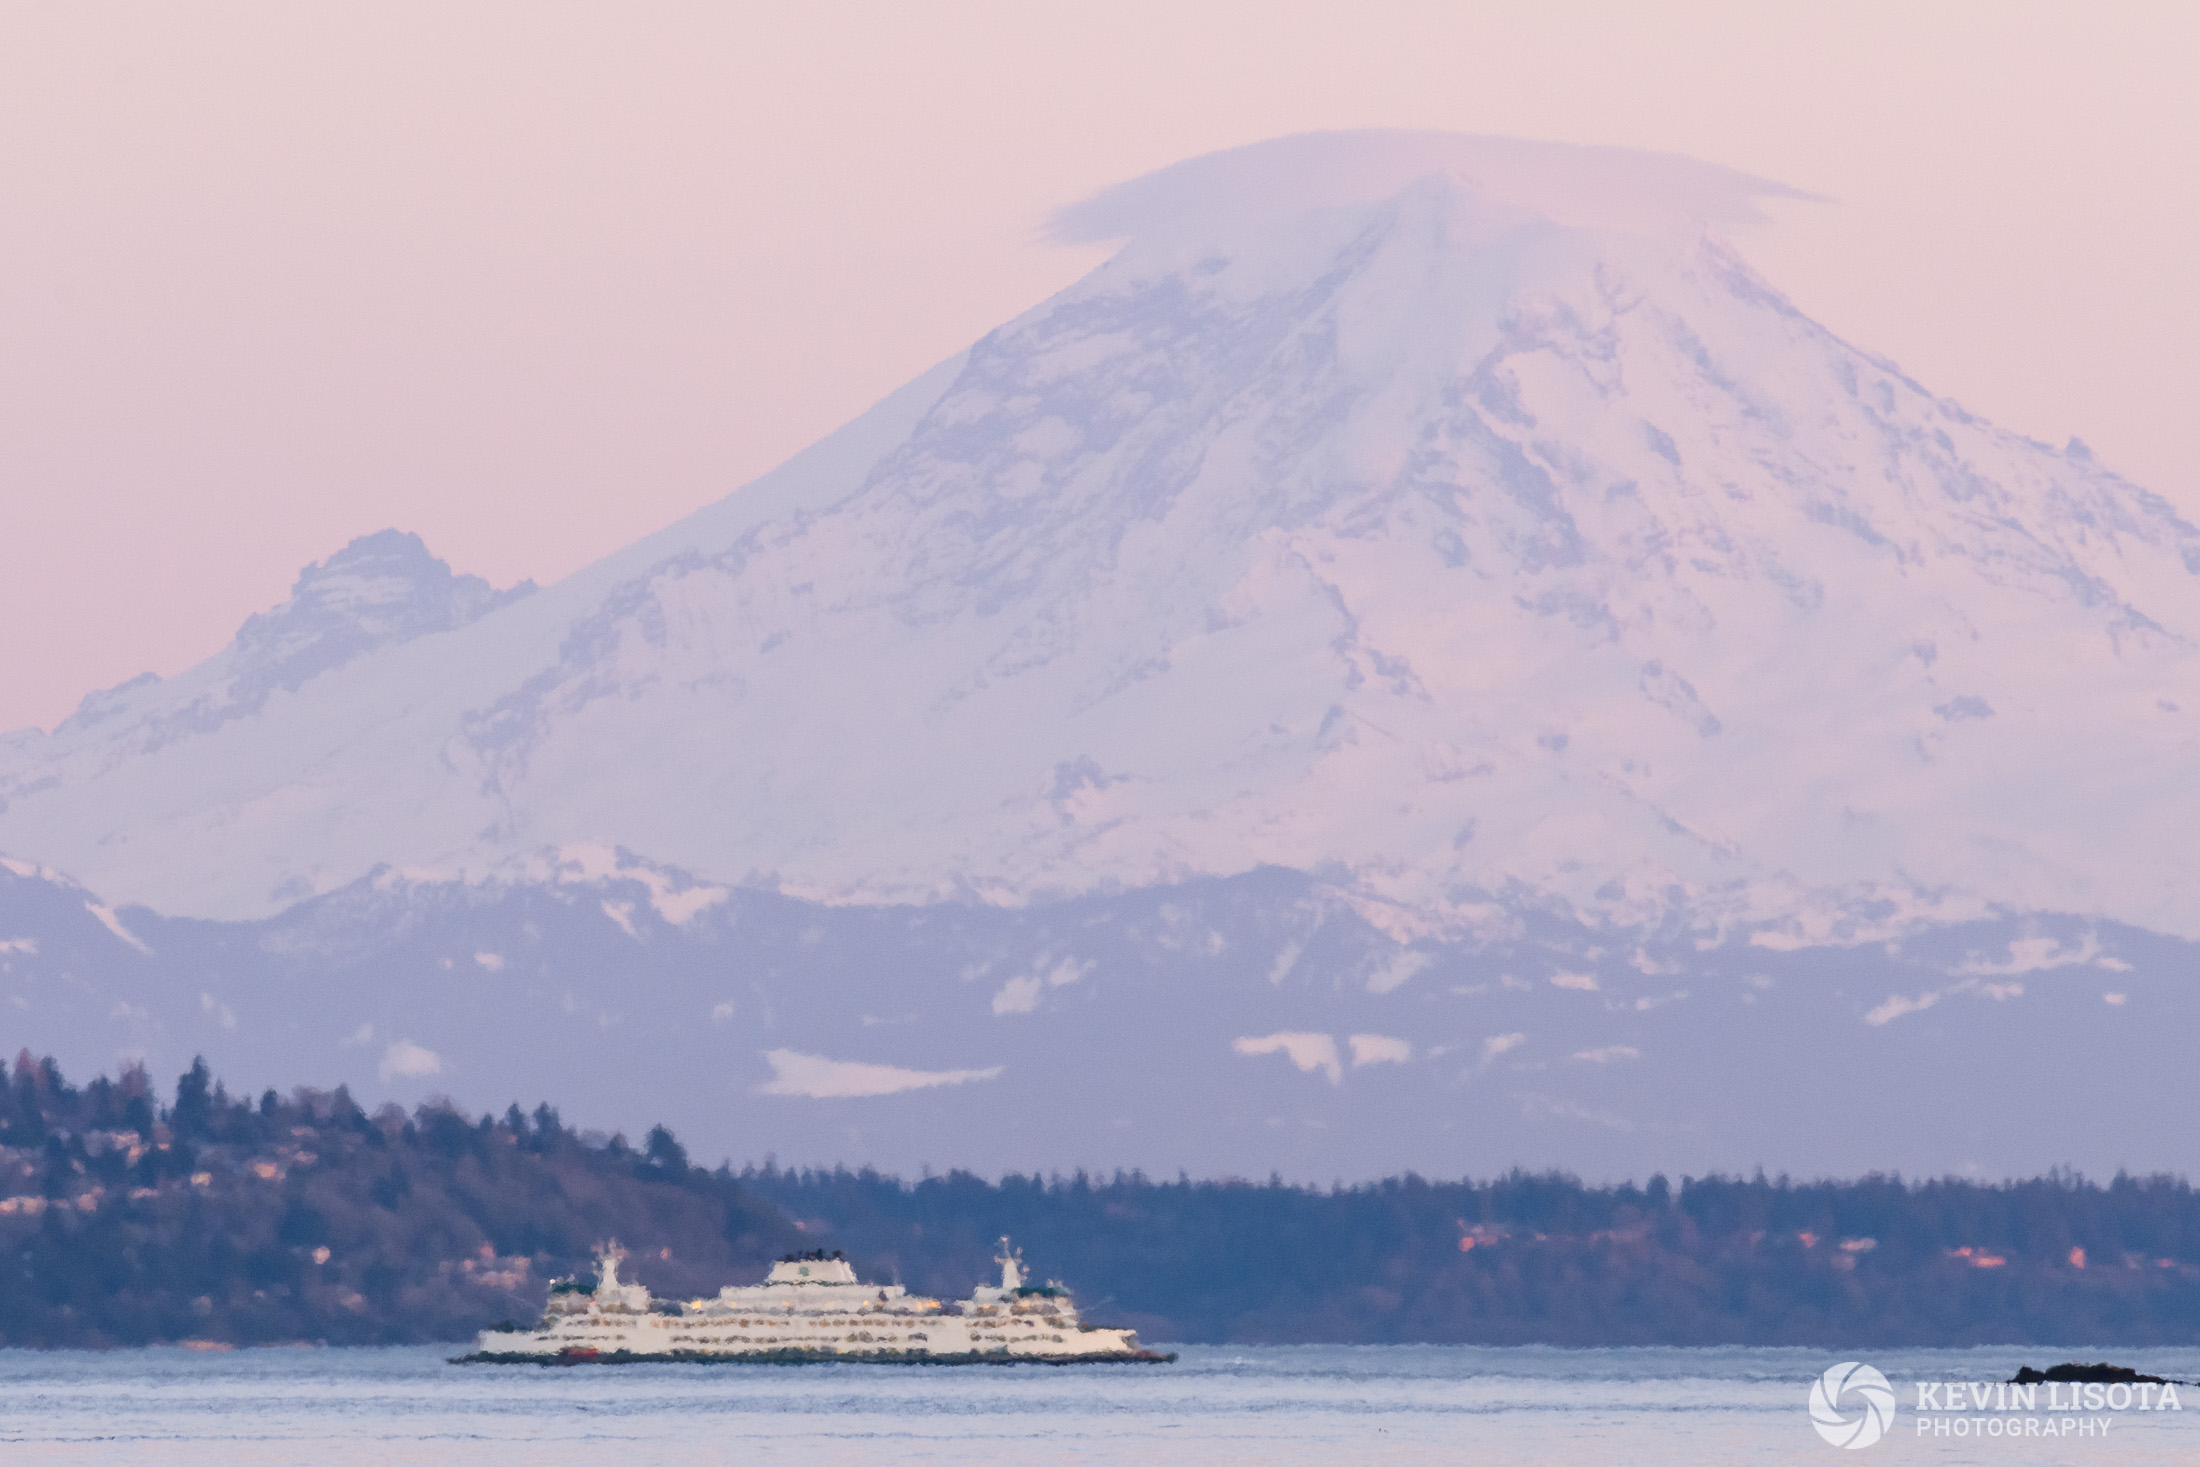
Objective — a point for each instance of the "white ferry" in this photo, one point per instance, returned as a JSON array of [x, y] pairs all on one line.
[[811, 1308]]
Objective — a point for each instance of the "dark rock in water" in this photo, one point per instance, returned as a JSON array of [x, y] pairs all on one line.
[[2102, 1374]]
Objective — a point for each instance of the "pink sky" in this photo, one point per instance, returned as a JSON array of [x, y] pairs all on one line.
[[533, 279]]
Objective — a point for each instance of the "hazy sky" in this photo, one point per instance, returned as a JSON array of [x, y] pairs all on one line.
[[533, 279]]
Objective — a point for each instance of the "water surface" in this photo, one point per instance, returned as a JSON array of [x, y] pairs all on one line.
[[1217, 1405]]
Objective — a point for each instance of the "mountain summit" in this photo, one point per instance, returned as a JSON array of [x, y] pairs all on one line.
[[1423, 660], [1456, 520]]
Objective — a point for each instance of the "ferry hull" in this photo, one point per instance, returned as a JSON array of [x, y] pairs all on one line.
[[805, 1357]]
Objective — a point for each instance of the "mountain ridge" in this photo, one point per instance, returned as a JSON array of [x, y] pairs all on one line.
[[1231, 1026]]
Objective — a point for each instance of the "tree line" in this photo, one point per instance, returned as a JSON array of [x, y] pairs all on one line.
[[127, 1218], [218, 1218], [1545, 1258]]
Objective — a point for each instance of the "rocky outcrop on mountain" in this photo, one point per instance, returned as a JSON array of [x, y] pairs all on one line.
[[378, 591]]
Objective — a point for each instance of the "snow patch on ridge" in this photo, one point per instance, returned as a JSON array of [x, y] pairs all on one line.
[[1395, 972], [1379, 1049], [814, 1077], [1021, 994], [408, 1061], [1310, 1052], [1498, 1044], [2035, 955], [673, 895], [112, 923]]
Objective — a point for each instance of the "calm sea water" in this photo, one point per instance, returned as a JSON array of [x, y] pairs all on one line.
[[1217, 1405]]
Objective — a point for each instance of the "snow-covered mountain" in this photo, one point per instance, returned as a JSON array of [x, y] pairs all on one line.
[[1470, 553], [1452, 533]]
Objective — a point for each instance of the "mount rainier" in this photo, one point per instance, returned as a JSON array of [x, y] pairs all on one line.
[[1422, 659]]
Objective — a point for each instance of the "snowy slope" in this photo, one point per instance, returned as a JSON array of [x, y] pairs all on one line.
[[333, 776], [1457, 521]]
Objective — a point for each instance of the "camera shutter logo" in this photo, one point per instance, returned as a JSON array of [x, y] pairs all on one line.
[[1831, 1391]]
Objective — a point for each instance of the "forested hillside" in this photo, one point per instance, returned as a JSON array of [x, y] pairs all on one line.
[[1547, 1259], [125, 1219]]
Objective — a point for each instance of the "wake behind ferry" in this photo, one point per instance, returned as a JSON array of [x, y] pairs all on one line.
[[811, 1308]]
